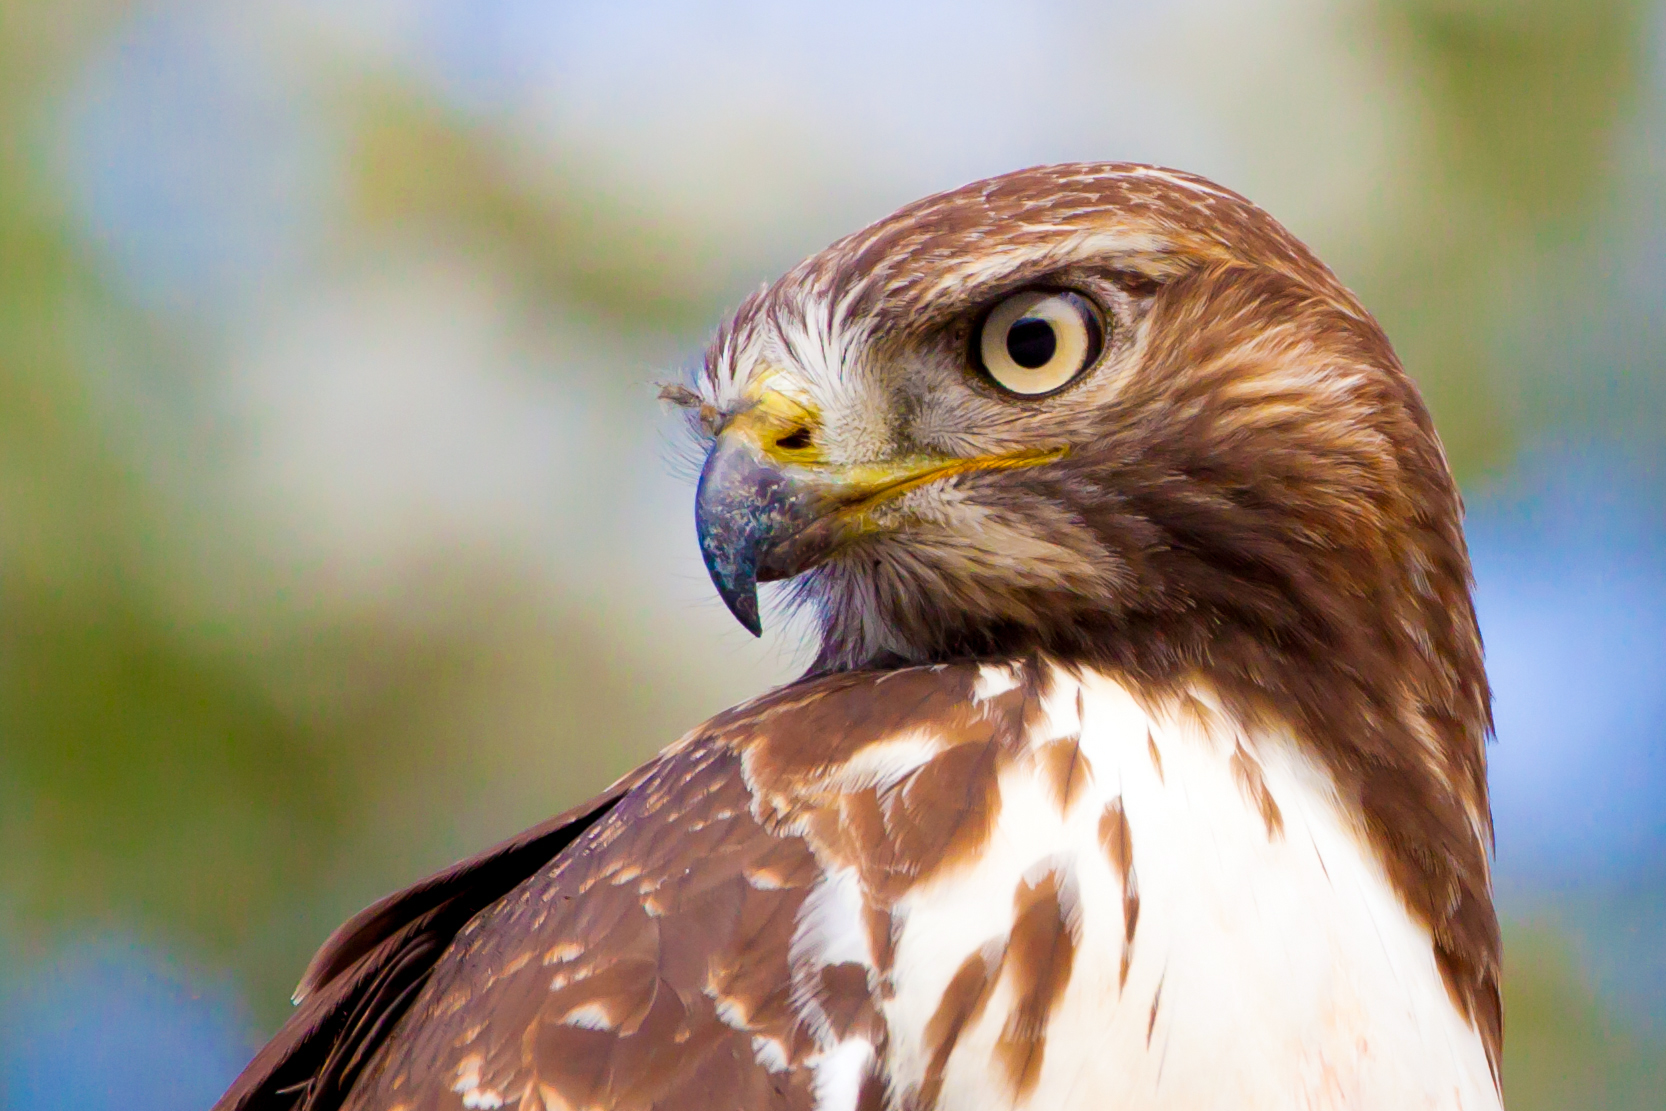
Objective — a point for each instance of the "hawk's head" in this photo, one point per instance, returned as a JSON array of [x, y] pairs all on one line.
[[1104, 411]]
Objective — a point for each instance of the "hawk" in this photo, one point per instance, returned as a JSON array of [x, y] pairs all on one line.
[[1141, 764]]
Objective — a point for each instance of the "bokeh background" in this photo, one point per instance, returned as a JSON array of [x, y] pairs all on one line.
[[341, 534]]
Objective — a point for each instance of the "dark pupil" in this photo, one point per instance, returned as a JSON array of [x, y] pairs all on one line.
[[1031, 343]]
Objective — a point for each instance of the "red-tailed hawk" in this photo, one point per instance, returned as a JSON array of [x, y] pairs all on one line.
[[1141, 764]]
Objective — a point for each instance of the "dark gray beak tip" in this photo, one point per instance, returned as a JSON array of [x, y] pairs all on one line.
[[729, 522], [744, 605], [753, 521], [734, 576]]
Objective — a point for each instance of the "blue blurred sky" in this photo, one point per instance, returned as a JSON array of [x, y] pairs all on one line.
[[1570, 558], [111, 1023]]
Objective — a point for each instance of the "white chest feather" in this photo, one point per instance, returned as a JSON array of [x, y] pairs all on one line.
[[1167, 914]]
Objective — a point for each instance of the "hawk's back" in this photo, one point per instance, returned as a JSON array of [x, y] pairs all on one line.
[[958, 887]]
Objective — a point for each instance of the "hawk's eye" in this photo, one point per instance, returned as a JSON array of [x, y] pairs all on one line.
[[1037, 341]]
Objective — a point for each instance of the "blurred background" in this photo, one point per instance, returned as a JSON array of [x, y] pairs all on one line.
[[341, 534]]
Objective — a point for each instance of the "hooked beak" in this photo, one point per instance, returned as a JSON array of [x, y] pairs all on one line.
[[770, 507]]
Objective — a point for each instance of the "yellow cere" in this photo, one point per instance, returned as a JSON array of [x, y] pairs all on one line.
[[784, 431]]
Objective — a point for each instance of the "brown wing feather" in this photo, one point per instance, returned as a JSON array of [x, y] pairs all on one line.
[[641, 968], [658, 962], [371, 968]]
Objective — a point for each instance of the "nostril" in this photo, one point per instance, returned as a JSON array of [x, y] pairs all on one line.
[[794, 440]]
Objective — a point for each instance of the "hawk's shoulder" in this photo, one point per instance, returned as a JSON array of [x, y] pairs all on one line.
[[640, 939], [652, 963]]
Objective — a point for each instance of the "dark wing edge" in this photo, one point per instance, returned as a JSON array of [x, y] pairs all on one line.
[[370, 969]]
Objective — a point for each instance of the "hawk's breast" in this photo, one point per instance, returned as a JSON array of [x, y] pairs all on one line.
[[959, 887], [1153, 908]]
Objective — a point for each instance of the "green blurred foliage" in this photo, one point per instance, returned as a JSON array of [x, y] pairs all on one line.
[[566, 232], [144, 781], [1518, 106], [156, 782], [1561, 1049], [1526, 97]]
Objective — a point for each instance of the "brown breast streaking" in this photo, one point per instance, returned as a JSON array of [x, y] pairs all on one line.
[[946, 887]]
